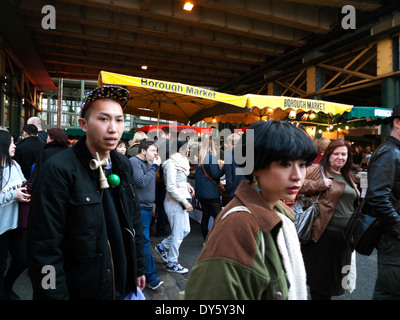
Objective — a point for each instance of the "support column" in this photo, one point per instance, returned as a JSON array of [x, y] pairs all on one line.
[[388, 62], [14, 118], [315, 81], [274, 89], [2, 78], [59, 102]]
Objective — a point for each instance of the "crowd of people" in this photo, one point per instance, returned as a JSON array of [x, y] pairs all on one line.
[[88, 211]]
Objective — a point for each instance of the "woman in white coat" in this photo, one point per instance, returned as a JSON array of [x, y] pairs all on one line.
[[12, 238], [177, 204]]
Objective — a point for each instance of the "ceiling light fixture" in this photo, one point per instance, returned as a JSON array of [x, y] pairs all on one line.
[[188, 6], [144, 67]]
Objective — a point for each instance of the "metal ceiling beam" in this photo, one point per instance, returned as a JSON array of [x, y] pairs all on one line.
[[104, 61], [265, 13], [229, 47], [73, 36], [358, 5], [47, 47], [266, 34], [20, 44]]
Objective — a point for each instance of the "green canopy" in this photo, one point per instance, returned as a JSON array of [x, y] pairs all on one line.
[[76, 132], [362, 113], [358, 116]]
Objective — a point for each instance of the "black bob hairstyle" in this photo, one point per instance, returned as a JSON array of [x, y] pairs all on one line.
[[276, 140]]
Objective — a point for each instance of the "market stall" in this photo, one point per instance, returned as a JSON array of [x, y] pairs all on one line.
[[169, 100]]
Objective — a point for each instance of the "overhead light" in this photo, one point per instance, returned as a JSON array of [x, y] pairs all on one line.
[[188, 6], [292, 114], [144, 67]]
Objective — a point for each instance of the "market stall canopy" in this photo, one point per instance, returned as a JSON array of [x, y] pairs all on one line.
[[77, 132], [362, 113], [168, 100], [248, 116], [296, 104], [362, 116], [262, 107], [178, 128]]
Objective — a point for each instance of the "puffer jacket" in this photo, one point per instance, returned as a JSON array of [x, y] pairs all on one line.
[[384, 184], [67, 228], [312, 186]]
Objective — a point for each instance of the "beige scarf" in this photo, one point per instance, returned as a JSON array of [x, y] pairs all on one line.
[[181, 163]]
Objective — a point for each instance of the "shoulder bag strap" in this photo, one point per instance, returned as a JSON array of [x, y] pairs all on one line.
[[208, 175], [324, 177], [243, 208]]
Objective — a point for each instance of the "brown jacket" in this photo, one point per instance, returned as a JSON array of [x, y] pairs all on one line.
[[328, 200], [231, 265]]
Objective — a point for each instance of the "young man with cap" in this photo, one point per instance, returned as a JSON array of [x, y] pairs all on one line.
[[382, 194], [84, 237]]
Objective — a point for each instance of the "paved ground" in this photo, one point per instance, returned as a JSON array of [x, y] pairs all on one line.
[[190, 250]]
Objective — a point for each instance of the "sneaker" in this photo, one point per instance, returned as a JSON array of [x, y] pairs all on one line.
[[161, 252], [176, 267], [155, 284]]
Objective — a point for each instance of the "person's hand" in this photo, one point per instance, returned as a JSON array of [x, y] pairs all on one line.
[[188, 207], [190, 189], [157, 160], [141, 282], [22, 195], [327, 183]]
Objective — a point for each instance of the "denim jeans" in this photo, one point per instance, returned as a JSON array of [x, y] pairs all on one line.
[[151, 274], [180, 227]]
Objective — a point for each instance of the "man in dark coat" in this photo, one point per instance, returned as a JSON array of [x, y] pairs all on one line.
[[42, 135], [28, 149], [84, 236], [382, 195]]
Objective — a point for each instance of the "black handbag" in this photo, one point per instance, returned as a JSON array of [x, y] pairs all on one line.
[[363, 231], [306, 210]]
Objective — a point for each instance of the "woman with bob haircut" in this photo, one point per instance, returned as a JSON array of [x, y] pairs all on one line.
[[327, 253], [252, 251]]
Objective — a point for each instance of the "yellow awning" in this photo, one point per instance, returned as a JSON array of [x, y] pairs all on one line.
[[168, 100], [297, 104]]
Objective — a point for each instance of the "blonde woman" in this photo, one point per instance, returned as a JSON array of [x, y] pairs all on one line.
[[207, 178], [232, 177], [133, 149]]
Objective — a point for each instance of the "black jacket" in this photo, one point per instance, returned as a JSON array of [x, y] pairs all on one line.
[[384, 184], [49, 150], [66, 227], [26, 153]]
